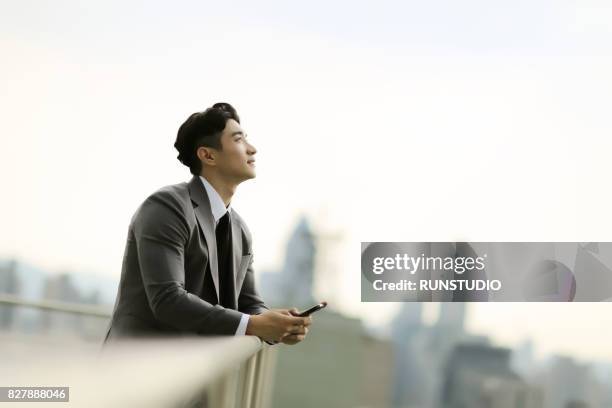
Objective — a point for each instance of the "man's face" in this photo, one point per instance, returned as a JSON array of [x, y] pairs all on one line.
[[236, 159]]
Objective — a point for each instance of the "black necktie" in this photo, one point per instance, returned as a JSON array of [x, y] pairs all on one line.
[[224, 255]]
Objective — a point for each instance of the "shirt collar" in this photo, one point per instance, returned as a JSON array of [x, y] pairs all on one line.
[[216, 202]]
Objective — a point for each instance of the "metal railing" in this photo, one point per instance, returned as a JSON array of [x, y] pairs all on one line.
[[56, 306], [215, 372]]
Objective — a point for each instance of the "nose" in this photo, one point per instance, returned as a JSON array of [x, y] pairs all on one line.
[[251, 148]]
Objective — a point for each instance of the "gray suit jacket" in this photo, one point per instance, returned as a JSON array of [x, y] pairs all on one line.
[[170, 278]]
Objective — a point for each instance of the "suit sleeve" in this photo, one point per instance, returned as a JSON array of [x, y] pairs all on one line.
[[161, 233], [249, 301]]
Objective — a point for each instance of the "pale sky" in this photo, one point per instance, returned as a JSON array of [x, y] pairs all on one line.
[[399, 121]]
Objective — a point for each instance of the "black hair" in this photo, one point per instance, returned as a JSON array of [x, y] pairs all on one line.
[[202, 129]]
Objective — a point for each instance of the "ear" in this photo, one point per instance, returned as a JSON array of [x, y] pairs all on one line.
[[206, 155]]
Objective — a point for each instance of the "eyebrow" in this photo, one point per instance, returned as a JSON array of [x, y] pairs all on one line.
[[239, 133]]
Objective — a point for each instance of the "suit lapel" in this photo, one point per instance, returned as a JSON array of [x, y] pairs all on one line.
[[237, 253], [207, 223]]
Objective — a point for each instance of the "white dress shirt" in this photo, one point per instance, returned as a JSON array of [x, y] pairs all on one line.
[[218, 209]]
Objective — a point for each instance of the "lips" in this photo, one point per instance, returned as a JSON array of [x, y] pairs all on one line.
[[251, 161]]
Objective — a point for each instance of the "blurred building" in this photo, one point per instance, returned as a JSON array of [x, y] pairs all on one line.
[[602, 370], [26, 282], [523, 362], [376, 375], [421, 352], [294, 284], [61, 288], [504, 393], [34, 284], [452, 318], [9, 283], [480, 376], [570, 383], [339, 364], [410, 385]]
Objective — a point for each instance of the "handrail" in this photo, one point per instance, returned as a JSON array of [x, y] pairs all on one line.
[[153, 373], [228, 372], [57, 306]]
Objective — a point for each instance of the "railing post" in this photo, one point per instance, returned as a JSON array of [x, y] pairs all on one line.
[[223, 392], [267, 373], [248, 382], [258, 380]]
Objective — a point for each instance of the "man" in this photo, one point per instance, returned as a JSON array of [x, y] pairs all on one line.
[[187, 267]]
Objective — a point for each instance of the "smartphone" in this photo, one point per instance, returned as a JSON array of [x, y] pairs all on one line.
[[312, 309]]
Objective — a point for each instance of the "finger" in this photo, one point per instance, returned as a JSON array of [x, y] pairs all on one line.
[[308, 321], [292, 322], [299, 330], [294, 338], [296, 329], [302, 321], [294, 311], [288, 339]]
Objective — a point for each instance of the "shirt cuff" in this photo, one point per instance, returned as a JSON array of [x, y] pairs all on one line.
[[244, 321]]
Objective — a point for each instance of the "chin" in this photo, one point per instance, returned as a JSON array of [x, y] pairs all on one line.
[[248, 175]]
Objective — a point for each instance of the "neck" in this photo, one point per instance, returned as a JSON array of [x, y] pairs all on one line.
[[225, 188]]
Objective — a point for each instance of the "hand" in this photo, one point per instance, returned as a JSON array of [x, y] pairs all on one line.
[[299, 335], [274, 326]]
